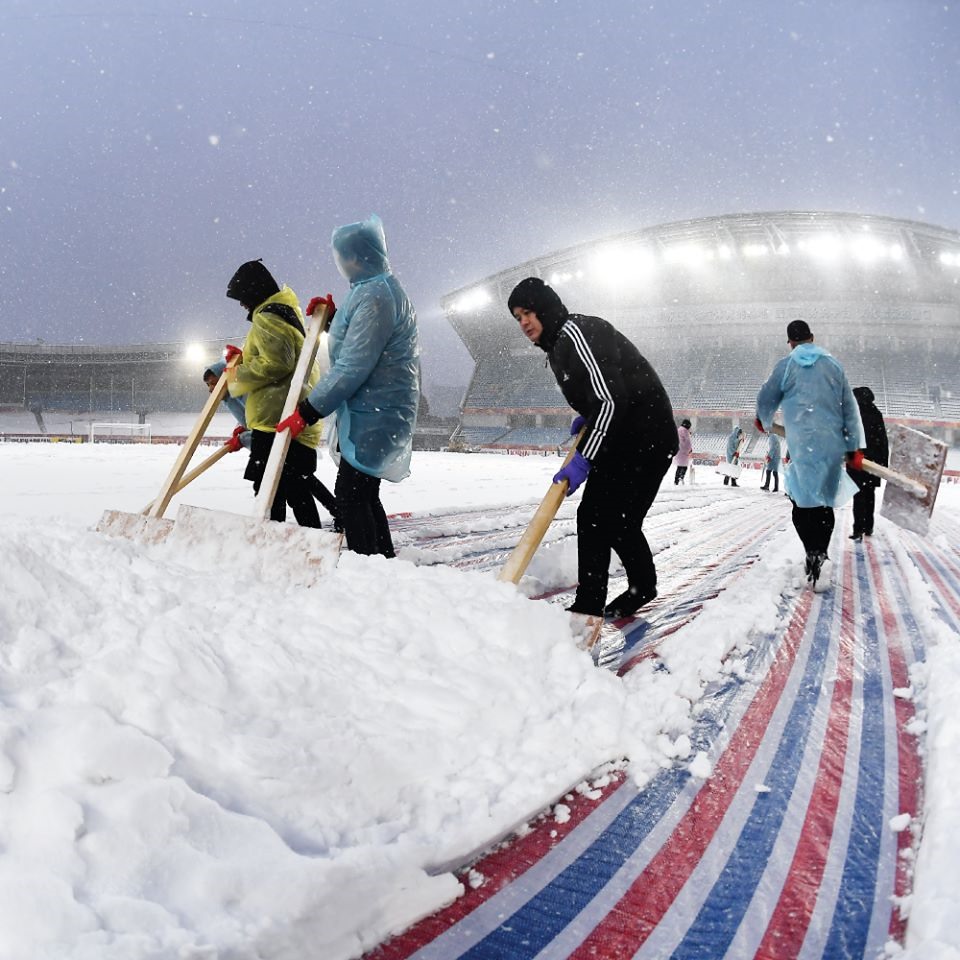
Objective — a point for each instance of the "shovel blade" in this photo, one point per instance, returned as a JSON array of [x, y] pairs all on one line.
[[921, 458], [282, 552], [134, 526]]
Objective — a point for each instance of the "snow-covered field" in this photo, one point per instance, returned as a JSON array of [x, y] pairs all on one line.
[[197, 763]]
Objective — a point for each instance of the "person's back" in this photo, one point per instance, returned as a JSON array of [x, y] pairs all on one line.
[[821, 420]]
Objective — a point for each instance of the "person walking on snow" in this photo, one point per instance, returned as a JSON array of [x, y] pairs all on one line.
[[823, 428], [684, 452], [373, 385], [629, 440], [772, 464], [734, 446], [876, 449], [262, 378]]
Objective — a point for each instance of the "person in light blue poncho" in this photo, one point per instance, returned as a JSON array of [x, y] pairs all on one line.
[[372, 386], [772, 464], [734, 447], [823, 428]]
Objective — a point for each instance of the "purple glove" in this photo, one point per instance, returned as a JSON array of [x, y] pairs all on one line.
[[578, 422], [575, 472]]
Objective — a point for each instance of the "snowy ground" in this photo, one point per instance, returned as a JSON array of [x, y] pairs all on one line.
[[195, 763]]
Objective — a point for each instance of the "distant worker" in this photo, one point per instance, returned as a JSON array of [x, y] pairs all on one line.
[[772, 464], [630, 438], [734, 447], [373, 385], [263, 376], [684, 452], [876, 449], [822, 424]]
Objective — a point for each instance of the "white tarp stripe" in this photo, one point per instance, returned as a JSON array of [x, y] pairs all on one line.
[[598, 433]]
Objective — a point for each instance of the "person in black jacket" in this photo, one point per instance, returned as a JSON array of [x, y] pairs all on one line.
[[628, 444], [877, 450]]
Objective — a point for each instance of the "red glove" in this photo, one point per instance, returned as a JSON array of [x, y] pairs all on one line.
[[294, 423], [234, 444], [319, 301], [855, 459], [758, 424], [230, 351]]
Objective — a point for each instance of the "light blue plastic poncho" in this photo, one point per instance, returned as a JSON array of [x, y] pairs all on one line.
[[773, 452], [733, 443], [822, 423], [373, 384]]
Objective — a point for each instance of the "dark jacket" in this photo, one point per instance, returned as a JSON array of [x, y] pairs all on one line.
[[876, 448], [606, 379]]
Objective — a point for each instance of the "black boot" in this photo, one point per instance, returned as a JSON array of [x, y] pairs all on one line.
[[629, 602]]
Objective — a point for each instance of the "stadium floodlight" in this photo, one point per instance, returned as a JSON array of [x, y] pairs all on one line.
[[195, 354], [823, 246], [783, 250], [618, 265], [687, 254], [867, 249], [472, 300], [895, 251], [752, 250], [949, 259], [724, 252]]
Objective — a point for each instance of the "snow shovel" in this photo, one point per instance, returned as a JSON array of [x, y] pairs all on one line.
[[912, 488], [149, 525], [264, 547], [604, 645]]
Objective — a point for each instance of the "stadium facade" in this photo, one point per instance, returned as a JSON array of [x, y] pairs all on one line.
[[708, 302]]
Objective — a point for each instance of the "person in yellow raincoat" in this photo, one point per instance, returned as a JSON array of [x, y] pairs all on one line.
[[268, 359]]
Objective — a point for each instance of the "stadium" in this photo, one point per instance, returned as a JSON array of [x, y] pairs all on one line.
[[139, 392], [707, 301]]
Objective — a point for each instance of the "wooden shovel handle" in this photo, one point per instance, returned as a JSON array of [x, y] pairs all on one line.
[[877, 469], [192, 475], [523, 552]]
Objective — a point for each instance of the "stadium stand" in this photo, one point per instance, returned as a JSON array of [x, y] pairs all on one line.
[[708, 301]]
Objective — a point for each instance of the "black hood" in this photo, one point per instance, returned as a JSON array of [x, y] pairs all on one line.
[[863, 395], [533, 294], [252, 284]]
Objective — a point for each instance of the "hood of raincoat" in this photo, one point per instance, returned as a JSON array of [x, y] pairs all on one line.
[[864, 395], [533, 294], [270, 354], [364, 242]]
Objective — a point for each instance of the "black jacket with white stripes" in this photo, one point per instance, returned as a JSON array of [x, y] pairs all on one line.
[[606, 379]]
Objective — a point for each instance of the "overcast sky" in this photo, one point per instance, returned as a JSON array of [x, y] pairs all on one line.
[[146, 150]]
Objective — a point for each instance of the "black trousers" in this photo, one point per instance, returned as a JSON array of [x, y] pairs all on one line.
[[616, 498], [295, 479], [864, 502], [776, 481], [680, 474], [814, 526], [361, 513]]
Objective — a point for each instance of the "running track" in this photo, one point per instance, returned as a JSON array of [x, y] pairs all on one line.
[[786, 851]]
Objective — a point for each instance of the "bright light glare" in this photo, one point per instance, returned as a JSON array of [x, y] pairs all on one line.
[[824, 246], [195, 353], [867, 249], [755, 249], [617, 266], [686, 254], [950, 259], [471, 300]]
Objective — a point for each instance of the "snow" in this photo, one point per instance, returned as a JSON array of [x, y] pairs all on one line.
[[198, 763]]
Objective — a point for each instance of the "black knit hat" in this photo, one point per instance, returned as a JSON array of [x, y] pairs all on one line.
[[685, 423], [252, 284], [863, 394], [798, 331]]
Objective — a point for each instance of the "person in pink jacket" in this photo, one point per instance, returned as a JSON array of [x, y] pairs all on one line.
[[682, 459]]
